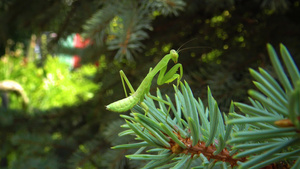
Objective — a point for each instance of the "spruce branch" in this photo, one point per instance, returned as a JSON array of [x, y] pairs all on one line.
[[167, 7], [198, 134], [88, 154], [130, 26], [95, 28], [273, 116], [122, 25]]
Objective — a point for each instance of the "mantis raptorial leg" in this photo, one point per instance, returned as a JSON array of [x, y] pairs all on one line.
[[144, 88]]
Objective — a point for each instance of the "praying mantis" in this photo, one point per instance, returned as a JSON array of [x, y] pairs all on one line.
[[137, 96]]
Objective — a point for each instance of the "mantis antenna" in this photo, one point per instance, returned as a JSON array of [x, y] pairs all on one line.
[[178, 50], [194, 47]]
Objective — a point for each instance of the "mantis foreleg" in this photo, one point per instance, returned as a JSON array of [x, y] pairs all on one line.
[[171, 75]]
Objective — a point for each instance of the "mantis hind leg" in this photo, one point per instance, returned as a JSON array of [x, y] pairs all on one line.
[[124, 80]]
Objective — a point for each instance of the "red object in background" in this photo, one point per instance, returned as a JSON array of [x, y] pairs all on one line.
[[79, 42], [76, 61]]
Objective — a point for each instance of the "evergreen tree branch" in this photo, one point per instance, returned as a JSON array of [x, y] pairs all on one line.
[[122, 25], [281, 115], [181, 143]]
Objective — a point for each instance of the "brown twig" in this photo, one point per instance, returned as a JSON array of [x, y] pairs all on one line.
[[200, 148]]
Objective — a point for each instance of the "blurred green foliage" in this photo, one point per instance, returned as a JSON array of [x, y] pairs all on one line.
[[50, 85]]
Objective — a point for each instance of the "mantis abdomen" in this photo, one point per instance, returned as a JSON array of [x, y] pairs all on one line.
[[124, 104]]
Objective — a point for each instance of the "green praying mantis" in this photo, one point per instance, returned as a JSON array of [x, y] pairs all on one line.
[[137, 96]]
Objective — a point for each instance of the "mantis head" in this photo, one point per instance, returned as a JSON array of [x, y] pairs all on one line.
[[174, 55]]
